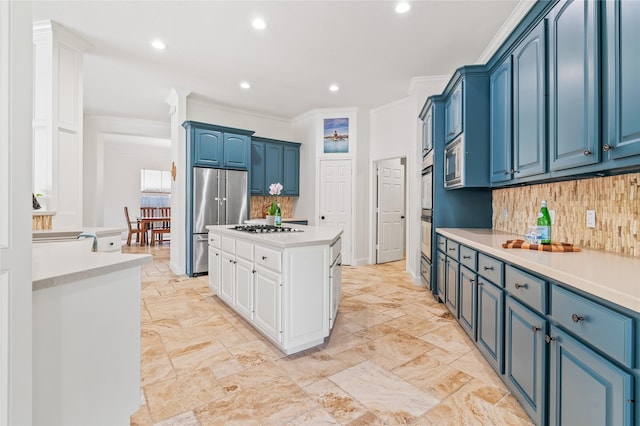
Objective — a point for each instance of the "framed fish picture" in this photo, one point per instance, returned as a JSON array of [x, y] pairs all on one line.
[[336, 135]]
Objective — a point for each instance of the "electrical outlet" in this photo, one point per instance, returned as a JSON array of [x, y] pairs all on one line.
[[552, 216], [505, 213], [591, 218]]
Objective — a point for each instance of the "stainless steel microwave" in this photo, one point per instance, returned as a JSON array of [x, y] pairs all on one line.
[[454, 163]]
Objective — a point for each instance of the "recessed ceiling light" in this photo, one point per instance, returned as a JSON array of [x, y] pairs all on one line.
[[259, 24], [334, 88], [245, 85], [403, 7], [157, 44]]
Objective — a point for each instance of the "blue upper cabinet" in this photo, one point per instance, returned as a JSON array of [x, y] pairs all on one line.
[[529, 141], [621, 82], [207, 146], [236, 151], [275, 161], [574, 84], [214, 146], [257, 168], [500, 129], [453, 113], [291, 172]]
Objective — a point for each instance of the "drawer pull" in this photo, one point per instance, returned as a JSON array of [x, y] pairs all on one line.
[[488, 268], [534, 328], [586, 152], [549, 339], [576, 318], [452, 249], [466, 257], [518, 285], [264, 257], [607, 147]]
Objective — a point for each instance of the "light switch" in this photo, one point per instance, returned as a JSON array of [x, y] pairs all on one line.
[[591, 218]]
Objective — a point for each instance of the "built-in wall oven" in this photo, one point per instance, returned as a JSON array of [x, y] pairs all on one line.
[[426, 219]]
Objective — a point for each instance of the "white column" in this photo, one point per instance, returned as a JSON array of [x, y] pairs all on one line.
[[177, 101], [15, 213], [58, 121]]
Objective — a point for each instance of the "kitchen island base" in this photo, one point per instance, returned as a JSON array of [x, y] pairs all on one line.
[[281, 284]]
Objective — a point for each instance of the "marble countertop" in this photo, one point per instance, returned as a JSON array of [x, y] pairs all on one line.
[[59, 263], [610, 276], [70, 233], [310, 235], [284, 220], [44, 212]]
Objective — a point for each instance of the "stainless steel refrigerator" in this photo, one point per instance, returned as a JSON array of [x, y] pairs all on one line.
[[219, 198]]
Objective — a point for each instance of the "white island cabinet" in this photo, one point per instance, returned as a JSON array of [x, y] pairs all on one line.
[[283, 284]]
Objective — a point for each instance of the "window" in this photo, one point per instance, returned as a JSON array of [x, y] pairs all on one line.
[[155, 188]]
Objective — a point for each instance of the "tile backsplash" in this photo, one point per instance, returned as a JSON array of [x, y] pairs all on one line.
[[615, 199], [261, 203]]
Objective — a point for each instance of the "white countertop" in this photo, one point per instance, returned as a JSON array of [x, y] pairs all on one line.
[[42, 212], [612, 277], [261, 220], [310, 235], [59, 263], [70, 233]]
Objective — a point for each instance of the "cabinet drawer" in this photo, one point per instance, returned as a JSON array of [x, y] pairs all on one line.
[[336, 249], [491, 269], [214, 240], [109, 244], [468, 257], [526, 288], [228, 245], [442, 243], [603, 328], [268, 258], [452, 249], [244, 250]]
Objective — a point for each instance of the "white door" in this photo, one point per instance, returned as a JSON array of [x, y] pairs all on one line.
[[335, 201], [390, 210]]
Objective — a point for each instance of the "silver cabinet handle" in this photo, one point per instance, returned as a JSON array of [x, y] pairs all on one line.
[[488, 268], [534, 328], [607, 147], [549, 339], [576, 318], [466, 257], [586, 152], [264, 257], [518, 285]]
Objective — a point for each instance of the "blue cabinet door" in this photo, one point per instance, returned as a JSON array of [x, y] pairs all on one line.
[[525, 358], [529, 141], [291, 170], [468, 301], [451, 284], [585, 388], [236, 151], [208, 147], [273, 165], [621, 85], [574, 131], [257, 168], [491, 323], [453, 113], [500, 112], [441, 275]]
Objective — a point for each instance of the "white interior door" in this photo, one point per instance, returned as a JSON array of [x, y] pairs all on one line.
[[335, 201], [390, 210]]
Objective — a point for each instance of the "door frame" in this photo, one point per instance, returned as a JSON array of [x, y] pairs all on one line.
[[373, 240]]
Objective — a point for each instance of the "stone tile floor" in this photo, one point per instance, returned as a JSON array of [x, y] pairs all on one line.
[[395, 356]]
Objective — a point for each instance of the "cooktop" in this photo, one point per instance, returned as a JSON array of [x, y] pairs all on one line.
[[259, 229]]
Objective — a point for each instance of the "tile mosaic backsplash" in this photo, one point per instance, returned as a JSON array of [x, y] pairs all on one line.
[[259, 205], [615, 199]]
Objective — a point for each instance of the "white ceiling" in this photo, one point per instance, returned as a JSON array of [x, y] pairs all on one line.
[[371, 52]]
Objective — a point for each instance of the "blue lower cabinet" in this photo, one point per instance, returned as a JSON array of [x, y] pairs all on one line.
[[451, 284], [584, 387], [491, 323], [468, 295], [525, 358], [441, 275]]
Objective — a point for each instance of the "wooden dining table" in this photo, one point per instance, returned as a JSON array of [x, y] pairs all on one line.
[[146, 221]]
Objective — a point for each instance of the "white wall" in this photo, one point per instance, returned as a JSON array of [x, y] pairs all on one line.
[[96, 130], [396, 131], [124, 157]]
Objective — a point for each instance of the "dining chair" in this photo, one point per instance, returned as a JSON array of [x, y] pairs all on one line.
[[132, 230], [163, 227]]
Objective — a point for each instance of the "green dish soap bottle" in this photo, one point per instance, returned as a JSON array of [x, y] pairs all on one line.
[[544, 224], [278, 216]]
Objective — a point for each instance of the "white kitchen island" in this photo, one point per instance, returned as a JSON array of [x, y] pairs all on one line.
[[286, 285], [86, 334]]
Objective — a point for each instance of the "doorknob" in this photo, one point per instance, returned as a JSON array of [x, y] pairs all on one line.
[[322, 217], [402, 217]]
